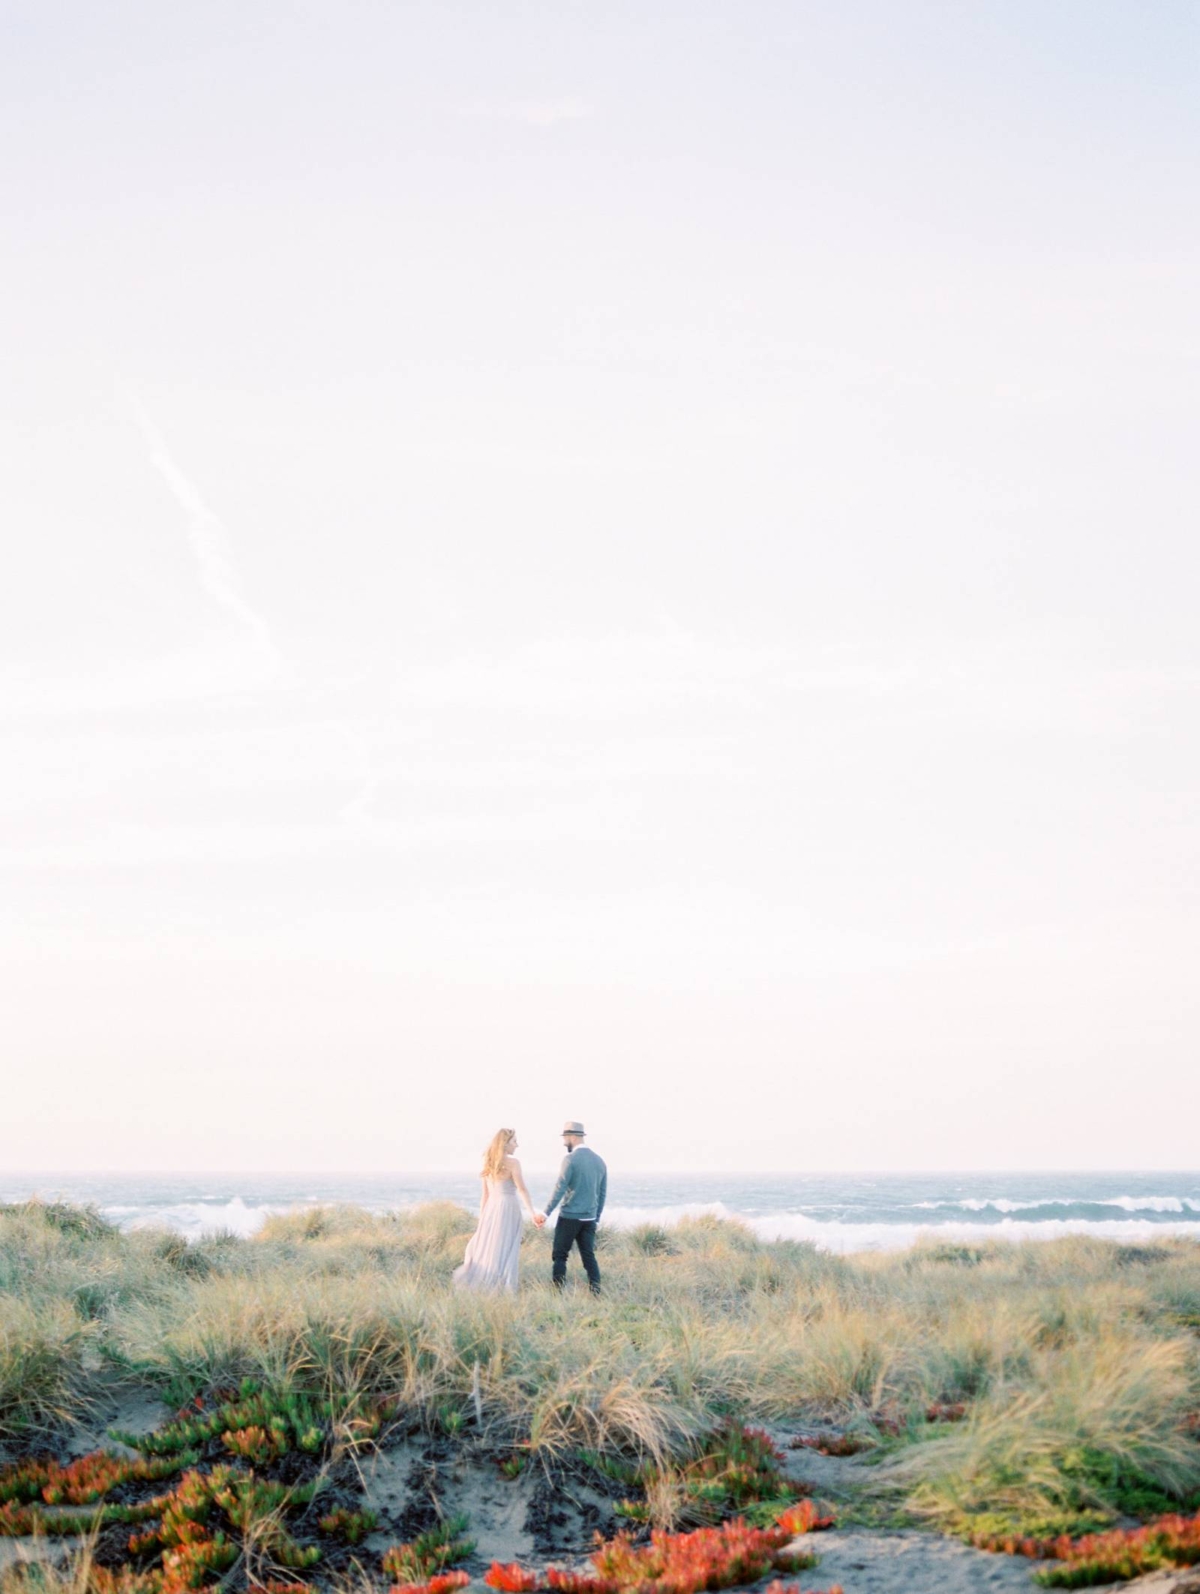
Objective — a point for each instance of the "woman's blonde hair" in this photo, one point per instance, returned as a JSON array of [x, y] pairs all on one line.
[[493, 1157]]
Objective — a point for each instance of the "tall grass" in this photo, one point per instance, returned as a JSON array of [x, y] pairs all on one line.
[[44, 1379], [1078, 1361], [1096, 1427], [69, 1574]]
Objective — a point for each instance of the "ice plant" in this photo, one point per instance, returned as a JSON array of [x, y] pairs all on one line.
[[256, 1444], [349, 1526], [83, 1481], [511, 1578], [744, 1461], [93, 1476], [633, 1510], [738, 1473], [194, 1562], [257, 1422], [683, 1563], [428, 1554], [1110, 1557], [19, 1521], [803, 1517], [443, 1583], [102, 1580], [945, 1411], [610, 1467], [207, 1519], [24, 1481], [830, 1444], [1106, 1558], [564, 1581], [794, 1560]]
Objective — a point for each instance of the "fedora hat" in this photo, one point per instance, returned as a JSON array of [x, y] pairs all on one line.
[[573, 1127]]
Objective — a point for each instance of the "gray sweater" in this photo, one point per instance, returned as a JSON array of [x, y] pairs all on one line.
[[582, 1186]]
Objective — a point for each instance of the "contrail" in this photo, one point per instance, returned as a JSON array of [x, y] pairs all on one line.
[[208, 541]]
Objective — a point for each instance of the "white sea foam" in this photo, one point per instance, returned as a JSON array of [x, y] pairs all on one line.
[[1149, 1203], [847, 1237], [196, 1218], [1134, 1218], [667, 1217]]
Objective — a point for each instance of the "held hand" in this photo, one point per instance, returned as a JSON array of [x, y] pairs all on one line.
[[540, 1219]]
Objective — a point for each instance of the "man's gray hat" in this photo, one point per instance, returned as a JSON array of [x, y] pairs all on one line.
[[573, 1127]]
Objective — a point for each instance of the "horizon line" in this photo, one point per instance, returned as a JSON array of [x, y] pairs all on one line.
[[666, 1173]]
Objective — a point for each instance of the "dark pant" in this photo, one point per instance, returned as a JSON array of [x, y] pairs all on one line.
[[580, 1232]]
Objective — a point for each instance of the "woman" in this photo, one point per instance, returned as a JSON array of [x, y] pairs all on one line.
[[494, 1250]]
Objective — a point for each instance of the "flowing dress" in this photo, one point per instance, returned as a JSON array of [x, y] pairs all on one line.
[[494, 1250]]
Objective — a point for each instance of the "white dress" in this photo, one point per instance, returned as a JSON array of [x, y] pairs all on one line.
[[494, 1250]]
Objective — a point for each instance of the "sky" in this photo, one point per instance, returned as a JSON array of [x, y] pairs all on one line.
[[633, 563]]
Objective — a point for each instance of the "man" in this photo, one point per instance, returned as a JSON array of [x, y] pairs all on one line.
[[582, 1186]]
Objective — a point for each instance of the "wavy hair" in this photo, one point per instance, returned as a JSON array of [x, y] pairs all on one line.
[[493, 1157]]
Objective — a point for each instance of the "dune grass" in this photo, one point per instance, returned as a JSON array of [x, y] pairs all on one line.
[[1077, 1361]]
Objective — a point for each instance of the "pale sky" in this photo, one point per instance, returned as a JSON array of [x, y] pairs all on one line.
[[633, 562]]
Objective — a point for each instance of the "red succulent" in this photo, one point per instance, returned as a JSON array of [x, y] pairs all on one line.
[[511, 1578]]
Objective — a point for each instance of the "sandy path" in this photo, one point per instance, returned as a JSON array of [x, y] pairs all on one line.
[[871, 1561]]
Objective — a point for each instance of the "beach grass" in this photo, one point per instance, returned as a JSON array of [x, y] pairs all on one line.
[[1074, 1364]]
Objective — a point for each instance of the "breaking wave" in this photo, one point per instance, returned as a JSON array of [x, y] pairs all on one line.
[[844, 1237], [837, 1212], [1055, 1208]]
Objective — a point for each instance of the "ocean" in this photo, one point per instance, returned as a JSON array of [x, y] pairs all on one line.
[[839, 1212]]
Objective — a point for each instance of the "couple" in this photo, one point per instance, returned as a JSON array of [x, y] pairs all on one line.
[[493, 1251]]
